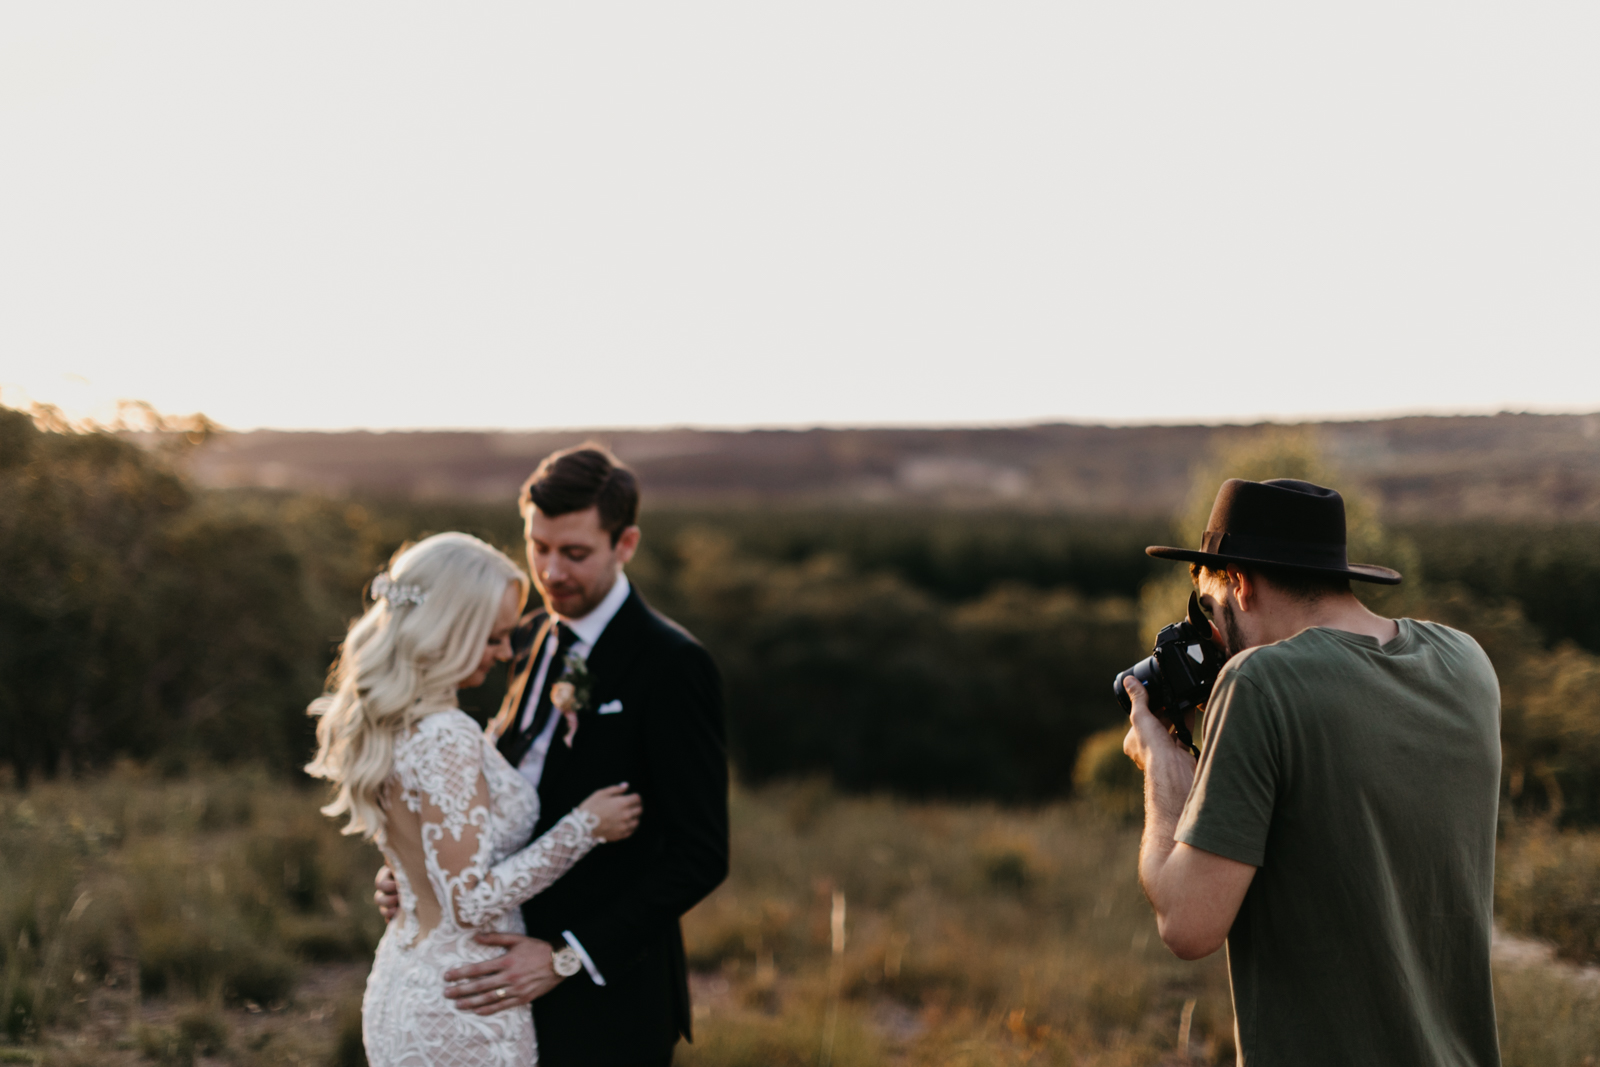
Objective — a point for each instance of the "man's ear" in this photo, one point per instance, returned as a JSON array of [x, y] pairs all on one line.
[[627, 544], [1246, 590]]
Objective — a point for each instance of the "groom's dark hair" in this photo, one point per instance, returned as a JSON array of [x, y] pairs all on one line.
[[576, 479]]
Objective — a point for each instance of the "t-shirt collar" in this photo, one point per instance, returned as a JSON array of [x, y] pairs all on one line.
[[591, 626], [1400, 642]]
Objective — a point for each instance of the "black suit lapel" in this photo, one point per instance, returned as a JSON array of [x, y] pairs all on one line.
[[619, 642], [619, 645]]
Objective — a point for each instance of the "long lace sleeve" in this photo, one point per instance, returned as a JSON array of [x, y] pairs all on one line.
[[528, 873], [452, 800]]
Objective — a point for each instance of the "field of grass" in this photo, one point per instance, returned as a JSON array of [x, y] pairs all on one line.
[[973, 935], [219, 919]]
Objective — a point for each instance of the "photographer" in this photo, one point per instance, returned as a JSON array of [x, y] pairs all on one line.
[[1338, 829]]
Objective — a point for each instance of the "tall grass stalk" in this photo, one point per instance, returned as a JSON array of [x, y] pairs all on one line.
[[830, 1028]]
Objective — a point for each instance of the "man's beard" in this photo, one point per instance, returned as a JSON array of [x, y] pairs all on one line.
[[1233, 641], [588, 599]]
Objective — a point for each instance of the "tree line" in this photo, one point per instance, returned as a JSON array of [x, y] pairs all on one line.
[[955, 653]]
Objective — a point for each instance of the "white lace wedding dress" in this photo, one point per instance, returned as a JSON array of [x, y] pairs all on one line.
[[457, 813]]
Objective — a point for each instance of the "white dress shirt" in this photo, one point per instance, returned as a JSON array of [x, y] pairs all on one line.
[[587, 630]]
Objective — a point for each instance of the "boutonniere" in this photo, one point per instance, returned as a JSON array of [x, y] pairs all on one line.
[[571, 693]]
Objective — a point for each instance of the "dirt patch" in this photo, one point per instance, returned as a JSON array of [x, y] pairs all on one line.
[[1513, 951]]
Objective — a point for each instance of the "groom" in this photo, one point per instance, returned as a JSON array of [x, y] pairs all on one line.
[[603, 964]]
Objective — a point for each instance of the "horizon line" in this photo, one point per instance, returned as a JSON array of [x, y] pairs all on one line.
[[1241, 421]]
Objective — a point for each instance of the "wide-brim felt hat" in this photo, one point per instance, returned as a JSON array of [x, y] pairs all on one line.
[[1281, 523]]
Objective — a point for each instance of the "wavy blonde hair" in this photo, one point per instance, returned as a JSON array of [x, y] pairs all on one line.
[[402, 661]]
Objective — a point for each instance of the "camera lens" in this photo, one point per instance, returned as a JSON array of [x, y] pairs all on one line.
[[1148, 671]]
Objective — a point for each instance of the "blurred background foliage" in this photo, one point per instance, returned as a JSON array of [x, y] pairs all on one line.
[[135, 618], [922, 654], [954, 654]]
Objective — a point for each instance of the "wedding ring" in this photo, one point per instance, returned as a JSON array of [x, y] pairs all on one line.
[[501, 992]]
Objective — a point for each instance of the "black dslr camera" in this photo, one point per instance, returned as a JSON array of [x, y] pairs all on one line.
[[1179, 673]]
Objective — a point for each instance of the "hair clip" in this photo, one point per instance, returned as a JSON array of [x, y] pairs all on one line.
[[386, 588]]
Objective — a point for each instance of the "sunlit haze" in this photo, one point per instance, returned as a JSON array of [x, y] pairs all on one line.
[[497, 215]]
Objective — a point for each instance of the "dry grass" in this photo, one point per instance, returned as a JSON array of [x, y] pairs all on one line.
[[974, 935], [1549, 1017], [220, 919], [188, 899]]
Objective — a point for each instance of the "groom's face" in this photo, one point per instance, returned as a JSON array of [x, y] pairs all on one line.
[[573, 561]]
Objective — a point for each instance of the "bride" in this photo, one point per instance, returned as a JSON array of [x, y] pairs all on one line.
[[416, 774]]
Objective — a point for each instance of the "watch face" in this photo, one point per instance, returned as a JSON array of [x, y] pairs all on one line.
[[566, 962]]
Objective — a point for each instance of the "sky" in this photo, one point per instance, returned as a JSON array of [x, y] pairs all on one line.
[[398, 214]]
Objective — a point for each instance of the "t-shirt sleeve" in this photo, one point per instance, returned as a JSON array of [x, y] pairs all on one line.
[[1229, 810]]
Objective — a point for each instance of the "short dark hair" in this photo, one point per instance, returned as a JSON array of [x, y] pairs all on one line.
[[576, 479], [1302, 585]]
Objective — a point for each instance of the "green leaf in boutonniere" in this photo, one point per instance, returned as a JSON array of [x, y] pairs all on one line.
[[575, 670]]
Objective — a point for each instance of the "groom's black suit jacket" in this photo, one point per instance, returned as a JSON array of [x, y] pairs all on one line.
[[622, 901]]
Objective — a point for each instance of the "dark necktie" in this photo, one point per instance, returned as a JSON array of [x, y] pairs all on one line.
[[565, 639]]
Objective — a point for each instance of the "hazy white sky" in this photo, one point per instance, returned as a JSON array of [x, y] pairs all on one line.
[[392, 214]]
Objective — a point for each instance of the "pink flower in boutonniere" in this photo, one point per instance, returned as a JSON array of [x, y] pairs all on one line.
[[564, 697], [570, 694]]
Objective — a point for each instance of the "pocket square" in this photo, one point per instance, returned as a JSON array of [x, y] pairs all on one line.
[[611, 707]]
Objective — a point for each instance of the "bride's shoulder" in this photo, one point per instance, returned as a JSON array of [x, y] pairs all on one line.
[[447, 726], [447, 721], [445, 738]]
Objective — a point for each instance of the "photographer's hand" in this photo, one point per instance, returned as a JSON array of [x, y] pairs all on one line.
[[1149, 742], [1195, 893], [1168, 775]]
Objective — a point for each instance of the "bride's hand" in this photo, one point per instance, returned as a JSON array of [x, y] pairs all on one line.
[[617, 809]]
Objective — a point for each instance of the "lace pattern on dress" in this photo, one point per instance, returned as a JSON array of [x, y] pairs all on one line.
[[475, 814]]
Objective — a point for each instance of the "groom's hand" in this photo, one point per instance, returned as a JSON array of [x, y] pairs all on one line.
[[386, 895], [518, 978]]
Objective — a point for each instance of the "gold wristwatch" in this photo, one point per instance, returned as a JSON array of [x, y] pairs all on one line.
[[566, 961]]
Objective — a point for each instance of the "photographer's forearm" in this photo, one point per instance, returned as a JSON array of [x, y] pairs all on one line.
[[1168, 777], [1195, 894]]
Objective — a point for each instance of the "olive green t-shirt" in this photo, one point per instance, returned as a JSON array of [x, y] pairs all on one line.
[[1363, 781]]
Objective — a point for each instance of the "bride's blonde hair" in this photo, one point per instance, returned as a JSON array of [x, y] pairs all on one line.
[[425, 633]]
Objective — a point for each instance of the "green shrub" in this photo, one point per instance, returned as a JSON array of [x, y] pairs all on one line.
[[199, 1031], [199, 960], [137, 620], [1107, 777], [1547, 886]]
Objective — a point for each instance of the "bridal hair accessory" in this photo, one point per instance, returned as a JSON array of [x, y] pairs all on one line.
[[386, 588]]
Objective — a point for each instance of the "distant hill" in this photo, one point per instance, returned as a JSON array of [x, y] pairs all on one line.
[[1508, 466]]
